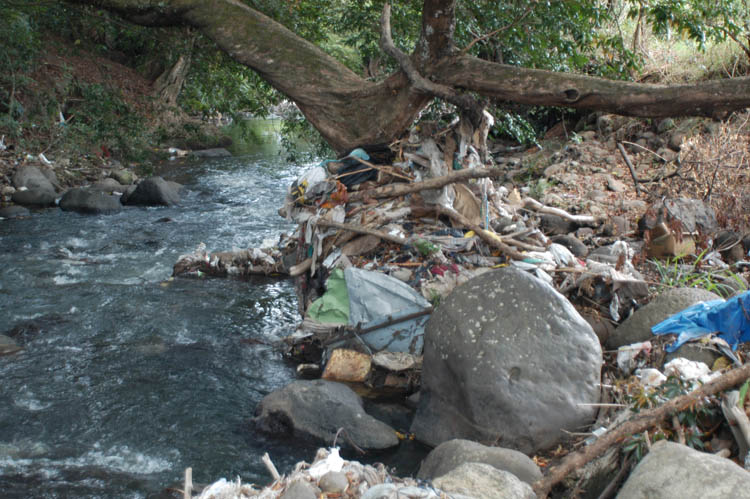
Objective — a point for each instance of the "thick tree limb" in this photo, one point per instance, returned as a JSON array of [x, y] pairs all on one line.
[[401, 189], [350, 111], [464, 102], [547, 88], [637, 424], [489, 237], [533, 204], [363, 230]]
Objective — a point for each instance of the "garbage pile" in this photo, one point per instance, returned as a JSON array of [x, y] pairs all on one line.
[[328, 476], [379, 243]]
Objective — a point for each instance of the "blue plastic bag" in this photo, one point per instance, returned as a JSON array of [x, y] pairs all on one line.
[[730, 319]]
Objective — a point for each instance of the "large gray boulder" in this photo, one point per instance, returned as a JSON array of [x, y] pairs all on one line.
[[154, 191], [453, 453], [318, 408], [34, 197], [637, 327], [108, 185], [32, 177], [34, 187], [14, 211], [216, 152], [508, 360], [482, 480], [90, 201], [8, 345], [672, 470], [124, 176]]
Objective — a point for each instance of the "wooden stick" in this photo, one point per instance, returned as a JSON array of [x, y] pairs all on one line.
[[637, 424], [380, 168], [400, 189], [362, 230], [270, 467], [487, 236], [533, 204], [187, 490], [630, 167], [738, 421], [300, 268]]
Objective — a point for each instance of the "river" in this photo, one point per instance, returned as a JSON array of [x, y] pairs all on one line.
[[127, 376]]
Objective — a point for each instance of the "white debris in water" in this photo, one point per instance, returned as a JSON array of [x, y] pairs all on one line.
[[361, 479]]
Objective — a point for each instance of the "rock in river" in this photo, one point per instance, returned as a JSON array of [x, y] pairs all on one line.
[[90, 201], [154, 191], [507, 359], [318, 408]]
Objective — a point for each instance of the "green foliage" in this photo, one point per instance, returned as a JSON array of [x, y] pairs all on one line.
[[19, 46], [698, 20], [302, 142], [559, 36], [218, 84], [513, 126], [103, 120], [676, 272], [695, 421]]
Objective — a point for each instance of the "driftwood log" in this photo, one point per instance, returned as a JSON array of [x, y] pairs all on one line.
[[400, 189], [638, 424]]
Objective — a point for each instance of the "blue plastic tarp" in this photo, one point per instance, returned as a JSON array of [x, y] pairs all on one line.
[[730, 319]]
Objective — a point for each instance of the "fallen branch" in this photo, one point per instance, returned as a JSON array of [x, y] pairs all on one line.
[[489, 237], [533, 204], [630, 166], [463, 101], [738, 421], [362, 230], [270, 466], [187, 490], [400, 189], [385, 169], [638, 424]]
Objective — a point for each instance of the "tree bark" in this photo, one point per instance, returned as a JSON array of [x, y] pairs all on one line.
[[350, 111]]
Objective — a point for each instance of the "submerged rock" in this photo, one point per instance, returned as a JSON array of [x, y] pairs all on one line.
[[153, 191], [318, 409], [90, 201], [8, 346]]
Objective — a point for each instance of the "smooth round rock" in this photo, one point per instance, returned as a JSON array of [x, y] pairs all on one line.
[[507, 359], [485, 481], [672, 470], [453, 453], [637, 327], [333, 482]]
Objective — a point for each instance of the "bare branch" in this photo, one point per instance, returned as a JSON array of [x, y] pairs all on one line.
[[638, 424], [419, 82]]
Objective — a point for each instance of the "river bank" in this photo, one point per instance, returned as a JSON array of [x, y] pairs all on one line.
[[578, 159]]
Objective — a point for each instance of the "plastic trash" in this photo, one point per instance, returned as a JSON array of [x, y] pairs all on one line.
[[730, 319], [333, 462], [333, 306], [690, 370], [648, 376], [626, 355]]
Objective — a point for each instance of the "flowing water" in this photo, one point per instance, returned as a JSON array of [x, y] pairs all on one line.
[[127, 377]]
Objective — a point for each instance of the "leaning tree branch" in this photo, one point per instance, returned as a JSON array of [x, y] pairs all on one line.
[[637, 424], [549, 88], [401, 189], [421, 84]]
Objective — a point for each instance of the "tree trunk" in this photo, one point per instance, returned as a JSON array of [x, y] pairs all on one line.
[[168, 85], [350, 111]]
